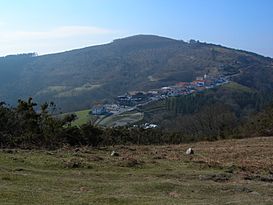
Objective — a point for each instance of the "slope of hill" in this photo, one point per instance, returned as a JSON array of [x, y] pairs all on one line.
[[211, 114], [77, 78]]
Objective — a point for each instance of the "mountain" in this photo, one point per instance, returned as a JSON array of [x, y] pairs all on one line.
[[76, 79]]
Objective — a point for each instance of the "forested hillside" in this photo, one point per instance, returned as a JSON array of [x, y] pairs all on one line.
[[76, 79], [226, 111]]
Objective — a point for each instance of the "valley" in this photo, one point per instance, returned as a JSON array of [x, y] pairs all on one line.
[[124, 112]]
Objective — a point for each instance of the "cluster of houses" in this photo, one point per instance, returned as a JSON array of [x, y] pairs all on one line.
[[137, 98]]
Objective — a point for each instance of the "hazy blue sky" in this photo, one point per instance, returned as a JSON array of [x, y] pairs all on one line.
[[47, 26]]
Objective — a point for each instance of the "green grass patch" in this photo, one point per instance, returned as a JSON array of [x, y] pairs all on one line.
[[83, 117], [238, 87], [122, 119]]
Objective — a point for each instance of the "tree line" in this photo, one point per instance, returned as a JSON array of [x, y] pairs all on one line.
[[27, 126], [215, 114]]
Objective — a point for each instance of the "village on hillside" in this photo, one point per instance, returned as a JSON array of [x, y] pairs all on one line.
[[132, 100]]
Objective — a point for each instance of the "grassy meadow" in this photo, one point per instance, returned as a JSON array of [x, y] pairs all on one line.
[[83, 117], [121, 119], [222, 172]]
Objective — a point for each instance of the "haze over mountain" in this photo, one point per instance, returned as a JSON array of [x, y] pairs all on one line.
[[76, 79]]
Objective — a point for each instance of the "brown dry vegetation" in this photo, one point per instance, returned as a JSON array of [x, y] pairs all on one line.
[[253, 155]]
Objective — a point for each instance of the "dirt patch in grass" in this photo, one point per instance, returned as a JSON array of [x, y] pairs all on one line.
[[222, 177], [263, 178], [75, 163], [130, 162]]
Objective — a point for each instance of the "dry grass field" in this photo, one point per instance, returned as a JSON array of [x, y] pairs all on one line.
[[221, 172]]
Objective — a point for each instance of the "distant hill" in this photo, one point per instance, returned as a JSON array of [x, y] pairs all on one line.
[[76, 79]]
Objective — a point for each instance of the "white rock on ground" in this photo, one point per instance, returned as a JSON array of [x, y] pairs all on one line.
[[189, 151], [114, 153]]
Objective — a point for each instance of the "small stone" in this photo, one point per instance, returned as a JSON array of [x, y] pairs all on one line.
[[19, 169], [114, 154], [189, 151], [174, 194], [254, 193], [50, 153], [83, 189]]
